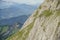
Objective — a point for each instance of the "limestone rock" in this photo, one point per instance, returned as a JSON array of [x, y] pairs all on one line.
[[43, 24]]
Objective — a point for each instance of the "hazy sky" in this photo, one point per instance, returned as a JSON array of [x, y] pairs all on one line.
[[31, 2]]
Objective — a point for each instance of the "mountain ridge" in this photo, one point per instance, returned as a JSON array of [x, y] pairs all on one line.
[[15, 10]]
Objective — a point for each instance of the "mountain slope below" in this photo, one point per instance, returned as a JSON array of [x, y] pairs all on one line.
[[10, 26], [44, 24]]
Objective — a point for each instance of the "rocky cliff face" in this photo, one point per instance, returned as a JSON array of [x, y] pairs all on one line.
[[43, 24]]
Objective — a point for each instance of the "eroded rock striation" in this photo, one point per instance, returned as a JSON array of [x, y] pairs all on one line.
[[43, 24]]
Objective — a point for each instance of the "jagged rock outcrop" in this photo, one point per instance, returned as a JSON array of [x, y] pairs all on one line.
[[43, 24]]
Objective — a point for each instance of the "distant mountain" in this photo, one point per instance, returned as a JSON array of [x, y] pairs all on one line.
[[8, 10], [10, 26], [13, 20], [4, 4], [12, 17]]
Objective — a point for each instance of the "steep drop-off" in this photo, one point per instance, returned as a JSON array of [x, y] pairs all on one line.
[[43, 24]]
